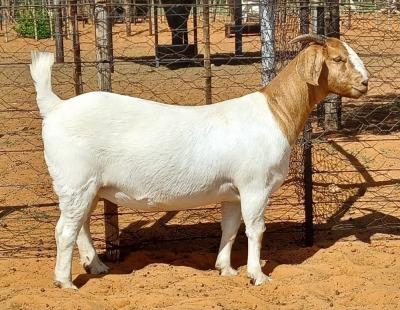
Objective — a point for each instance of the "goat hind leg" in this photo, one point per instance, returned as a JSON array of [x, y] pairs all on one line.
[[89, 258], [66, 234], [74, 212], [230, 224]]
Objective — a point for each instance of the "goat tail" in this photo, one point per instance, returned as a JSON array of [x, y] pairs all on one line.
[[40, 67]]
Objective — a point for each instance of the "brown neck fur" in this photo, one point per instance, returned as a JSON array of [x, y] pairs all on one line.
[[291, 100]]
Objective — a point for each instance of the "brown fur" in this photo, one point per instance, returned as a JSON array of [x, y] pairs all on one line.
[[291, 99], [308, 79]]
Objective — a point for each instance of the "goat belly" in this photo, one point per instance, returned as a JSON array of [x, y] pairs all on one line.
[[170, 202]]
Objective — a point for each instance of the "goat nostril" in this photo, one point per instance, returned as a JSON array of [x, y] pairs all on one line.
[[365, 82]]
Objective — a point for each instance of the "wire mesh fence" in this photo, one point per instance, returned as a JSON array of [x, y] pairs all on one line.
[[356, 180], [213, 55]]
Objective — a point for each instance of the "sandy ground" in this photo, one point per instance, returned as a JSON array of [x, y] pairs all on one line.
[[343, 273]]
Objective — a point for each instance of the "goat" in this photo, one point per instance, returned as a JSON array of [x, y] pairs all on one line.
[[152, 156]]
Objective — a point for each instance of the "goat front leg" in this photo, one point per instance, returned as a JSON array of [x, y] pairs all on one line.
[[230, 224], [253, 209], [89, 258]]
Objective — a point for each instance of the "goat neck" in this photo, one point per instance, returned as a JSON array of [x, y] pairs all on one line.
[[291, 100]]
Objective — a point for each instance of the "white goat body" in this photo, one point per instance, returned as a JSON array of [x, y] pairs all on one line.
[[152, 156]]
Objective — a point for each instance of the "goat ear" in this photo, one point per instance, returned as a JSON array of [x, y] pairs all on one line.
[[309, 64]]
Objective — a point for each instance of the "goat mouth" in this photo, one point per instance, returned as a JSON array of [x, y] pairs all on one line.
[[362, 90]]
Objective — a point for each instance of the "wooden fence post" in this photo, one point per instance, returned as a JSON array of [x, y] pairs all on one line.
[[111, 231], [128, 17], [58, 33], [76, 49], [104, 69], [207, 52], [103, 44]]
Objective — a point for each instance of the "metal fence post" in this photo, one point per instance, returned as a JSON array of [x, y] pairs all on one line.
[[328, 23], [308, 185], [268, 58], [104, 67], [238, 28], [333, 103], [307, 148], [320, 29]]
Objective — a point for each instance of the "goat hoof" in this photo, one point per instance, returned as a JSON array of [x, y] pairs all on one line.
[[96, 268], [228, 271], [260, 280], [68, 284]]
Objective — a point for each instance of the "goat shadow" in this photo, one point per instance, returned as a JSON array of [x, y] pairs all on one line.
[[280, 246]]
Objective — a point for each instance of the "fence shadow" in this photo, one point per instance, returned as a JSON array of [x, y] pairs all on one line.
[[380, 115], [217, 59]]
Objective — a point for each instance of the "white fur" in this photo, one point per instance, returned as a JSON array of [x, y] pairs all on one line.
[[356, 61]]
